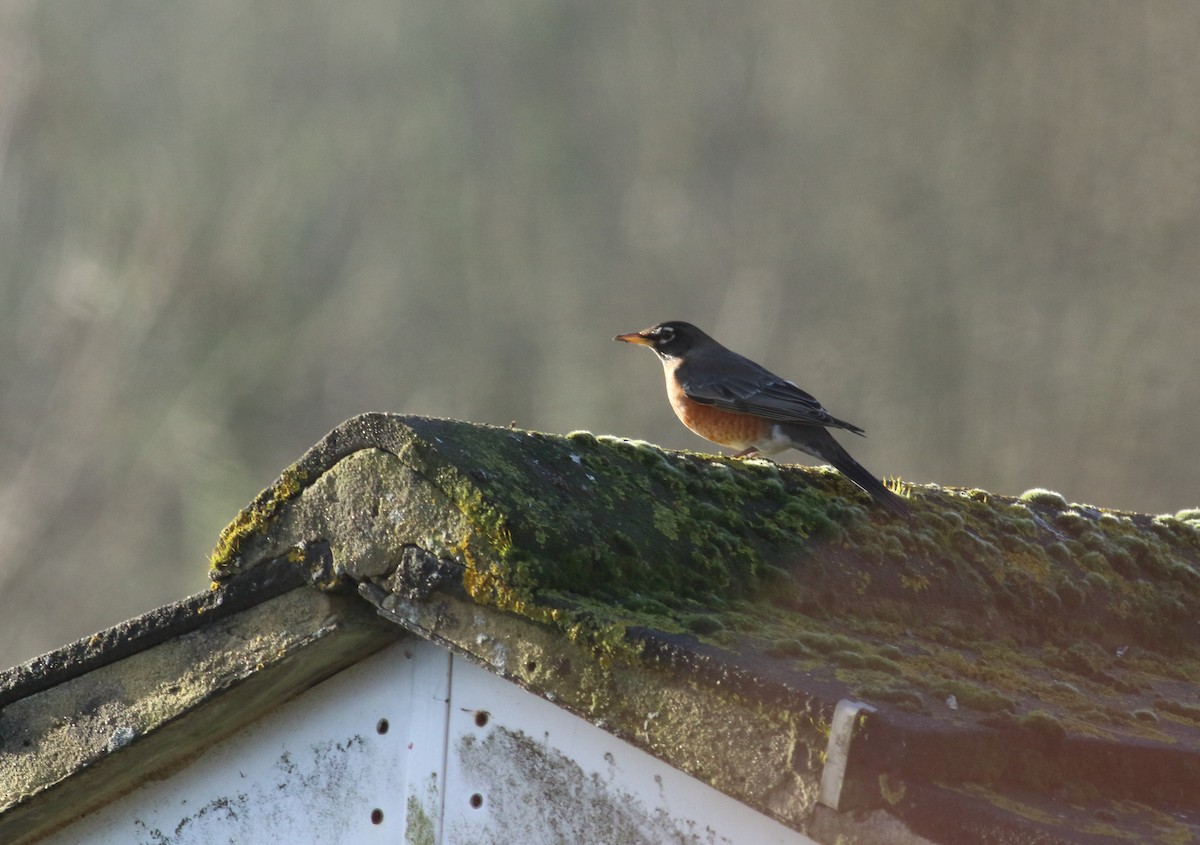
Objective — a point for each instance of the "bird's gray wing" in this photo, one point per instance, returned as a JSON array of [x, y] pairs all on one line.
[[762, 394]]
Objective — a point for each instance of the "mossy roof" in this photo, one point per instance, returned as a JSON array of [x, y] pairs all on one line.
[[1032, 664], [1043, 636]]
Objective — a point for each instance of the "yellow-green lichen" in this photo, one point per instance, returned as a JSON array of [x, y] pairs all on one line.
[[892, 789], [252, 519]]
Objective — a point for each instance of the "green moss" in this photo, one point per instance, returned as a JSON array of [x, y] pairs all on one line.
[[877, 661], [730, 526], [1043, 723], [903, 697], [1178, 708], [789, 647], [598, 536], [1059, 552], [703, 623], [975, 696], [743, 622], [666, 521], [1071, 596], [1045, 498], [622, 543], [824, 642], [951, 519], [1072, 522], [1084, 659], [850, 659]]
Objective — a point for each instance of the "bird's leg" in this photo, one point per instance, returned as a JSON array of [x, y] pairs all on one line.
[[745, 453]]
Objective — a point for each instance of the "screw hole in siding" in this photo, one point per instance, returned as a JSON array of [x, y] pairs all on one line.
[[381, 727], [476, 801], [377, 816]]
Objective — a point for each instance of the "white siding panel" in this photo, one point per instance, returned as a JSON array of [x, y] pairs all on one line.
[[466, 759], [534, 773], [314, 771]]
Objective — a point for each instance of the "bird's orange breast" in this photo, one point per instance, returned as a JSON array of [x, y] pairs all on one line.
[[737, 431]]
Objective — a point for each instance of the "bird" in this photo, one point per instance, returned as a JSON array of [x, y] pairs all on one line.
[[730, 400]]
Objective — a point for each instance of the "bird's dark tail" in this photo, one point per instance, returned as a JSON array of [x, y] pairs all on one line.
[[820, 444]]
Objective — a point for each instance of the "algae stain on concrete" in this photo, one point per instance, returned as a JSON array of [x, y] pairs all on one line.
[[533, 789], [420, 826]]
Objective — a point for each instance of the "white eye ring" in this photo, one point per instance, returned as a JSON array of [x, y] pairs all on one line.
[[666, 334]]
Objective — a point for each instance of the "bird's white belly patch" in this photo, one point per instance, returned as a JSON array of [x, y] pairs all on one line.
[[774, 443]]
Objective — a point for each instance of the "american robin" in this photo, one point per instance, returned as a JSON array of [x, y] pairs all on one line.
[[728, 399]]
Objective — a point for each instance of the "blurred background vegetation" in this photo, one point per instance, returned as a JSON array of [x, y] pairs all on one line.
[[972, 228]]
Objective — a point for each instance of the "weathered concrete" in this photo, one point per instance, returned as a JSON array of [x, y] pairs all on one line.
[[86, 740]]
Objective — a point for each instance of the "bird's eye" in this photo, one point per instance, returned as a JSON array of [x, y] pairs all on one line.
[[665, 334]]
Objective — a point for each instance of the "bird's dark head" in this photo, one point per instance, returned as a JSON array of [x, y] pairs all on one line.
[[669, 340]]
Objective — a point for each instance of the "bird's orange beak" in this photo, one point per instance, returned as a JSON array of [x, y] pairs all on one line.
[[635, 337]]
